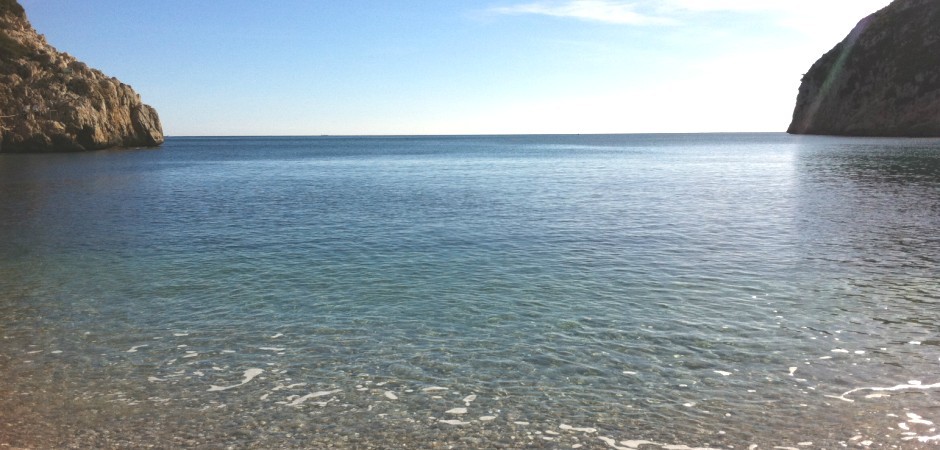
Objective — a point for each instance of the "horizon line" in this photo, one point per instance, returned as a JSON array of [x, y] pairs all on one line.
[[465, 135]]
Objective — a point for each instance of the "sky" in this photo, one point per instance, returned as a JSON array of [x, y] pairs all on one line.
[[407, 67]]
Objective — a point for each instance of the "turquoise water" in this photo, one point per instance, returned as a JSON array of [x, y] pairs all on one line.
[[711, 291]]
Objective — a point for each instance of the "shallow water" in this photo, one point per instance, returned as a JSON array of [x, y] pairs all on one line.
[[473, 292]]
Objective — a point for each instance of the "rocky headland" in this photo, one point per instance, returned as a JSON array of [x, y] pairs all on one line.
[[50, 101], [882, 80]]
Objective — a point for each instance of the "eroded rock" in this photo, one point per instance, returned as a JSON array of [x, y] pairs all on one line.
[[49, 101]]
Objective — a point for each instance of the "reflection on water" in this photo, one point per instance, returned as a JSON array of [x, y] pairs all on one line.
[[874, 206], [472, 292]]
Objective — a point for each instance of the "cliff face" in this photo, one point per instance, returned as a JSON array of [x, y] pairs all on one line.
[[882, 80], [49, 101]]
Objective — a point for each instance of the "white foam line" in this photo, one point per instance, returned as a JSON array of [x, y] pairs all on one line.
[[900, 387], [571, 428], [918, 419], [300, 400], [637, 444], [134, 348], [686, 447], [633, 445], [453, 422], [609, 441], [292, 386], [250, 374], [272, 349]]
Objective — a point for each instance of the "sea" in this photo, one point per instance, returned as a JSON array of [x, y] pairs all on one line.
[[657, 291]]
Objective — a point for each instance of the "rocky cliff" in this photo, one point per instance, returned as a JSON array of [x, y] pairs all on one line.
[[882, 80], [49, 101]]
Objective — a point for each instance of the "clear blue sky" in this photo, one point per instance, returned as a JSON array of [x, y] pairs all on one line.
[[309, 67]]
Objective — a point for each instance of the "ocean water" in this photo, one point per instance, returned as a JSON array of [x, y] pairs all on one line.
[[689, 291]]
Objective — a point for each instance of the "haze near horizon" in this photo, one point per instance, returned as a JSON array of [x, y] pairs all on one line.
[[503, 67]]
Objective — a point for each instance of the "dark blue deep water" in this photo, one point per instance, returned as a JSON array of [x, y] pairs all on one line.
[[719, 291]]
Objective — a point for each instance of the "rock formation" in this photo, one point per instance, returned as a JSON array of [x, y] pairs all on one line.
[[49, 101], [882, 80]]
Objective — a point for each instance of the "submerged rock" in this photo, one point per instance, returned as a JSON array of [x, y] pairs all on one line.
[[49, 101], [882, 80]]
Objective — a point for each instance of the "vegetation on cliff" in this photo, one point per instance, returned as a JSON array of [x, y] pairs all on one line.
[[882, 80]]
